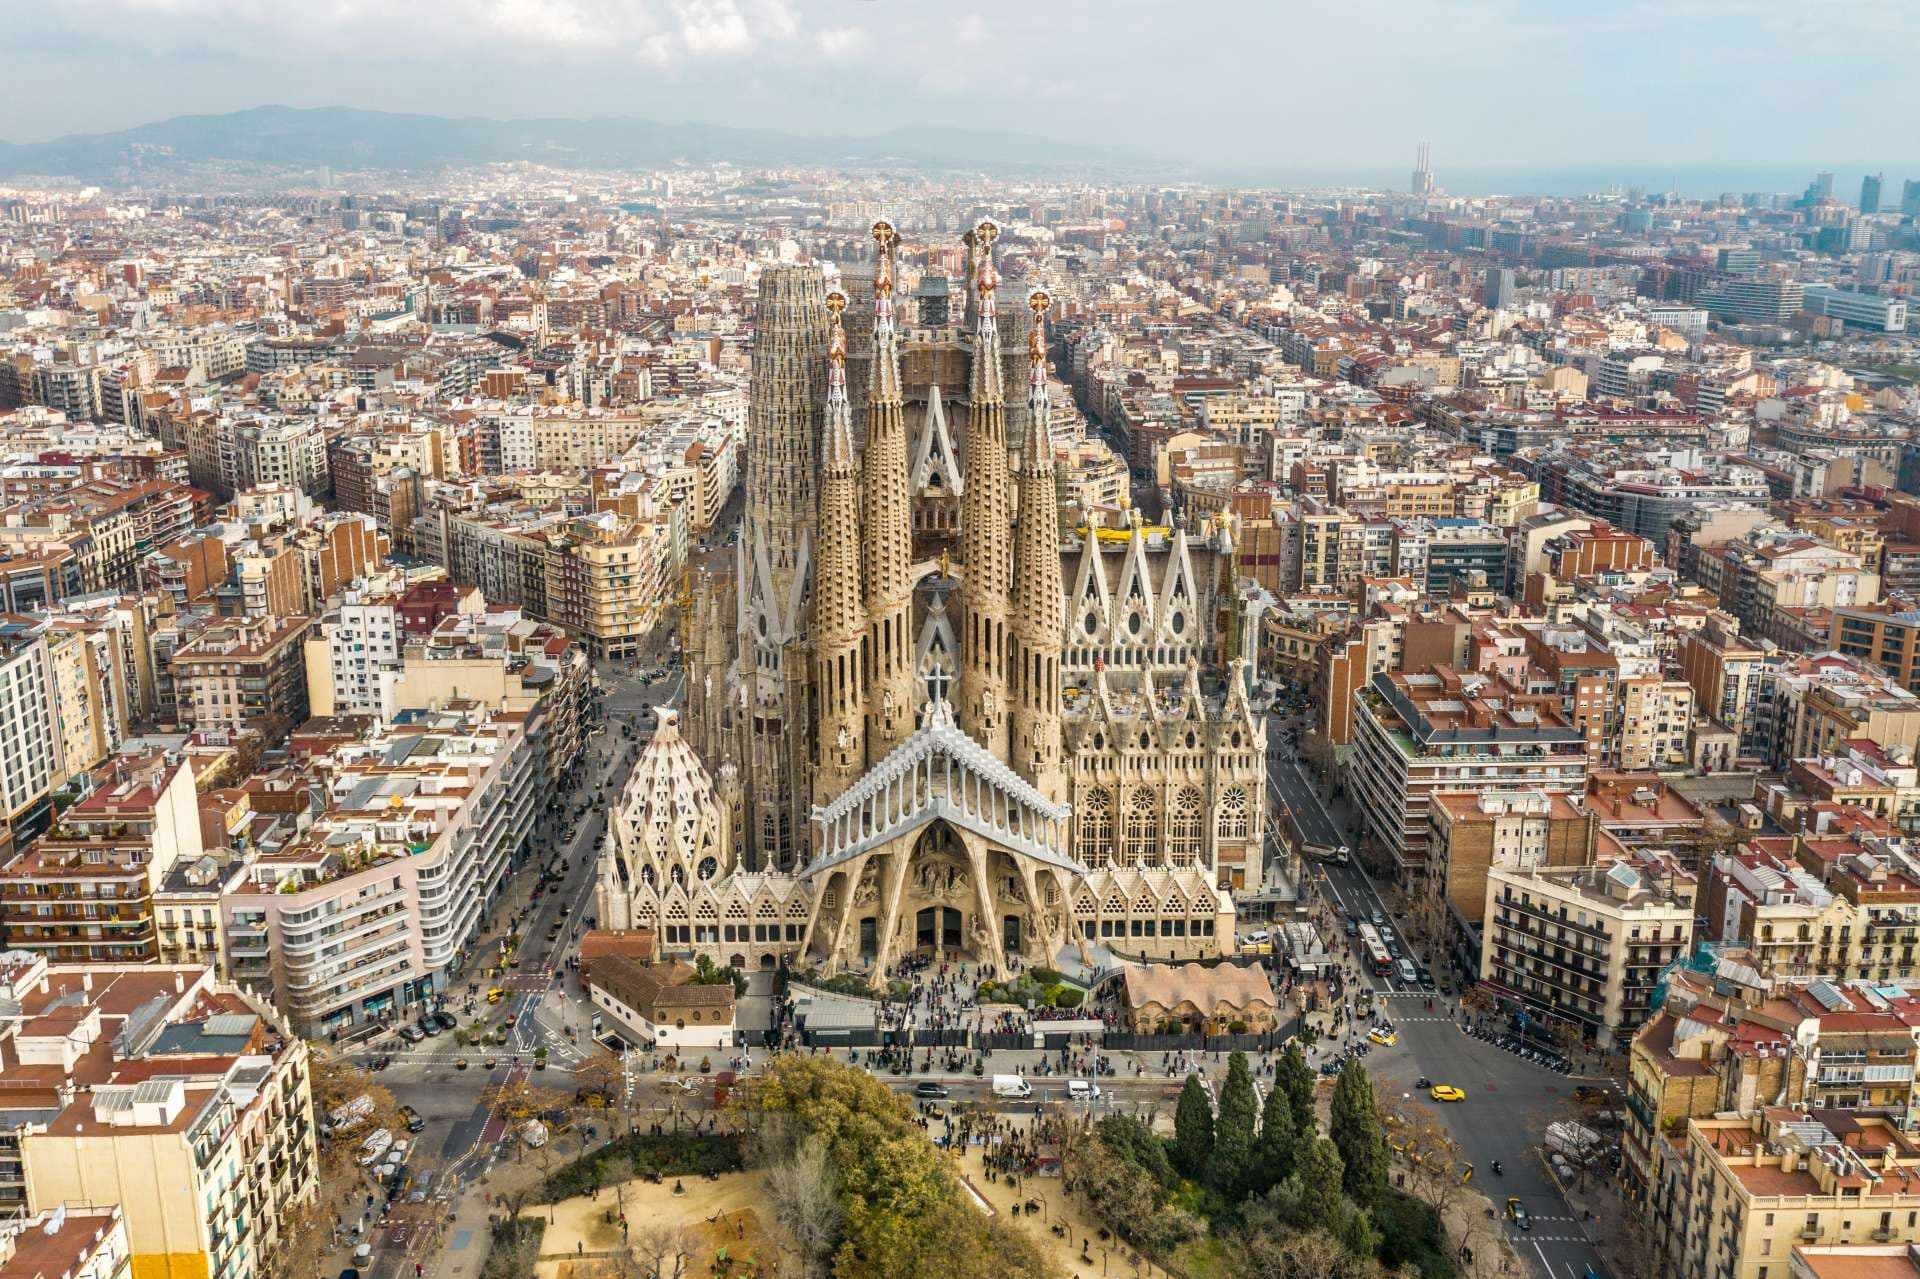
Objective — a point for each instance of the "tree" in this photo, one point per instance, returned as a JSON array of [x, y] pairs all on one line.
[[1354, 1126], [801, 1190], [305, 1238], [1274, 1151], [1295, 1079], [708, 973], [1233, 1132], [1192, 1130], [600, 1074], [1318, 1179], [1138, 1144], [1303, 1254]]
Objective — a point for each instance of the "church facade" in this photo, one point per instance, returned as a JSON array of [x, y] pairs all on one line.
[[932, 712]]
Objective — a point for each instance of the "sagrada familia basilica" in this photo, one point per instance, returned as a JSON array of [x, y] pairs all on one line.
[[932, 712]]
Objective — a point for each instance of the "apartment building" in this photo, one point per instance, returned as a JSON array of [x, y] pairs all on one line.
[[1415, 734], [1819, 702], [1583, 947], [184, 1102], [1655, 724], [1471, 833], [1726, 675], [1745, 1193], [352, 659], [78, 1242], [85, 891], [245, 673], [30, 755], [360, 917], [1883, 635]]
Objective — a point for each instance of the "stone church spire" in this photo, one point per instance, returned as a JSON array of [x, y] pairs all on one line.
[[986, 518], [1034, 649], [839, 617], [775, 571], [889, 541]]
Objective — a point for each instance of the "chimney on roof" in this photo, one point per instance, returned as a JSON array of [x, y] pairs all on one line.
[[86, 982], [179, 982]]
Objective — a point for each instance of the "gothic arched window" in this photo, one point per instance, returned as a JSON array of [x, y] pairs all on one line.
[[1137, 847], [1233, 813], [1096, 830], [1185, 828]]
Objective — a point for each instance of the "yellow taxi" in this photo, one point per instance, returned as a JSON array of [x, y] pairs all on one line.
[[1382, 1037], [1447, 1092]]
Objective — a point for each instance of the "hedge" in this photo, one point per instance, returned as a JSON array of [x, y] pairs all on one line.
[[669, 1155]]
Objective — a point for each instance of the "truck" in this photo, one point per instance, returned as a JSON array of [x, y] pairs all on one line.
[[1011, 1086], [1576, 1141], [351, 1115]]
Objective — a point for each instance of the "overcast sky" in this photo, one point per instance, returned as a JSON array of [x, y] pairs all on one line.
[[1264, 83]]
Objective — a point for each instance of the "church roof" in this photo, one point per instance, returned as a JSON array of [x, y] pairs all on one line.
[[1029, 825]]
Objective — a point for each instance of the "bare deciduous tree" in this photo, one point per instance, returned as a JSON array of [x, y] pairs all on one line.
[[806, 1203]]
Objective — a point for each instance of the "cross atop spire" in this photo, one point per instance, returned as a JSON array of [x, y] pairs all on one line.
[[985, 387], [884, 380], [1039, 430], [839, 441]]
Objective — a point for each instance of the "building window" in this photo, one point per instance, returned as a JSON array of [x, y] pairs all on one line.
[[1096, 829], [1233, 814], [1184, 828], [1138, 846]]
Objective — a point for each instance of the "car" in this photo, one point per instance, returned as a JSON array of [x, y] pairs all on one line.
[[1379, 920], [382, 1061], [1384, 1038], [446, 1020], [930, 1090], [495, 995], [412, 1034], [1446, 1092], [428, 1025], [414, 1122], [1517, 1214], [1425, 978]]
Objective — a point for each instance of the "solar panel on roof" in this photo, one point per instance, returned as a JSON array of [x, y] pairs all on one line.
[[152, 1092], [1830, 999], [230, 1024]]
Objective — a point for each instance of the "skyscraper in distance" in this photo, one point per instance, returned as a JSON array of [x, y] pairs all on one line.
[[1870, 193], [1499, 290], [1423, 170]]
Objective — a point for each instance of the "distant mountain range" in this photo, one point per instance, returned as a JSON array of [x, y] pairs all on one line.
[[274, 138]]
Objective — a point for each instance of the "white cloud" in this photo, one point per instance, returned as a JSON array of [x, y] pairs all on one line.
[[841, 42], [712, 26]]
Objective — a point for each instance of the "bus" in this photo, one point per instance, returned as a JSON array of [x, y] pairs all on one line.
[[1375, 951]]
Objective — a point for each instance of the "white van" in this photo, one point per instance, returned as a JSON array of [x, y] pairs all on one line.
[[1082, 1090], [1011, 1086]]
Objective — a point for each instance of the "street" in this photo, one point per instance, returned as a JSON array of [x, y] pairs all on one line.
[[1509, 1101], [461, 1136]]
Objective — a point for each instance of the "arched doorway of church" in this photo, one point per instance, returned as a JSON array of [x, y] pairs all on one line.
[[936, 927]]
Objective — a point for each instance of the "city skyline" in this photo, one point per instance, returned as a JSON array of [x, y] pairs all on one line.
[[1456, 79]]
